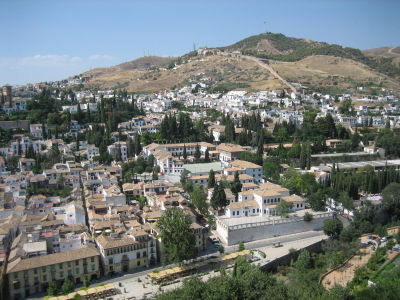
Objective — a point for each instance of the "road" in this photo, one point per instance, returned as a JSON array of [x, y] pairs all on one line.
[[137, 286]]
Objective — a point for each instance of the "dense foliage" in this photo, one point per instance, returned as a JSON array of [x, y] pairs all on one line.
[[176, 235]]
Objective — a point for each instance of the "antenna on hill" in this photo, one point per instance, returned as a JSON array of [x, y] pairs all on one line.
[[194, 46], [265, 27]]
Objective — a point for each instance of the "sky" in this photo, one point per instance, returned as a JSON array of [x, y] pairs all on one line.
[[47, 40]]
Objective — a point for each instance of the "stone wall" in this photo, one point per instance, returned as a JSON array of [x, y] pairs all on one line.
[[231, 235]]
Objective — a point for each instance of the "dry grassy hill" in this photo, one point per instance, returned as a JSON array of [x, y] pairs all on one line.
[[324, 70], [386, 52], [315, 64], [218, 68]]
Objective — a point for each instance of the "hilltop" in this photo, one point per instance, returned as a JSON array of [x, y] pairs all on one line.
[[330, 67]]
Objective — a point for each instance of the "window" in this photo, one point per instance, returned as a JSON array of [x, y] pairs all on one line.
[[77, 263], [138, 263], [61, 274], [110, 261], [92, 259], [43, 269], [144, 253], [26, 274], [44, 277], [93, 267], [138, 255], [77, 271]]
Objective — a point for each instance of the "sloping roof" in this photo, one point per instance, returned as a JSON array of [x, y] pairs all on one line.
[[235, 205], [293, 198], [230, 148], [108, 242], [51, 259], [244, 164], [267, 193]]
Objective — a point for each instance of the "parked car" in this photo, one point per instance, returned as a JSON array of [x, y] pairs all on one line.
[[277, 244]]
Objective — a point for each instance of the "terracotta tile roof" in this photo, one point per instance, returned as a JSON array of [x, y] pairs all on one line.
[[107, 242], [244, 164], [51, 259], [235, 205]]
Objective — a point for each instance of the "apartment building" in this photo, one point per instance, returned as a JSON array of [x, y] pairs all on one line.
[[126, 253], [33, 275]]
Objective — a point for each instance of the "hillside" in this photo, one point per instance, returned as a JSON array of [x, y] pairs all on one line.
[[391, 53], [279, 47], [144, 62], [332, 74], [215, 69], [331, 68]]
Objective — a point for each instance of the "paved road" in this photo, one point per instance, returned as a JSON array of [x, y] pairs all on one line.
[[137, 285], [283, 239]]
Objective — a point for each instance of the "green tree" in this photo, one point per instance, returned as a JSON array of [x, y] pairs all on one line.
[[211, 179], [86, 282], [154, 175], [176, 235], [218, 198], [199, 198], [52, 289], [207, 156], [283, 208], [137, 146], [197, 153], [303, 262], [346, 107], [391, 200], [236, 185], [308, 217], [184, 154], [346, 201], [241, 246], [271, 169], [303, 157], [332, 227], [68, 286]]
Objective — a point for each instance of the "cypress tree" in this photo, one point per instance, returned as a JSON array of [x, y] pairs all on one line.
[[211, 179], [197, 153], [184, 152], [207, 155], [303, 157], [308, 156]]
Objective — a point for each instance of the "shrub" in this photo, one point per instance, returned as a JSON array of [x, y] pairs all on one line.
[[241, 246], [308, 217]]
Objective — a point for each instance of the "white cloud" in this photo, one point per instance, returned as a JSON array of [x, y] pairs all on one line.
[[39, 60], [100, 57], [49, 60]]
